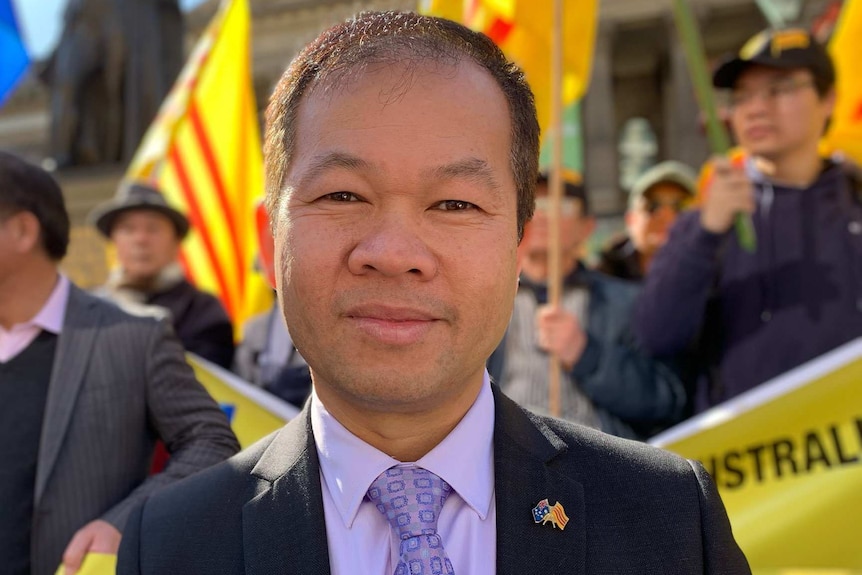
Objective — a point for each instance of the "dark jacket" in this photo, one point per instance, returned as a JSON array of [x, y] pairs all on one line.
[[620, 260], [118, 384], [199, 320], [753, 316], [633, 509], [634, 394]]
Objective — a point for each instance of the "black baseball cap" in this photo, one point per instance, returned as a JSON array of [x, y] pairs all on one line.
[[573, 187], [787, 48]]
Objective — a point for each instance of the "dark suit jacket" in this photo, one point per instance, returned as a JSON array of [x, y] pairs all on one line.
[[118, 383], [633, 509]]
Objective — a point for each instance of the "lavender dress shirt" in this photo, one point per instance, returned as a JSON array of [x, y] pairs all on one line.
[[360, 538], [50, 318]]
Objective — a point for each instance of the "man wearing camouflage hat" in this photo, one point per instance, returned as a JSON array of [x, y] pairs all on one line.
[[655, 200]]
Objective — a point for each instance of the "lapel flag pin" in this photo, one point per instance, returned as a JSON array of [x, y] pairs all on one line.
[[553, 514]]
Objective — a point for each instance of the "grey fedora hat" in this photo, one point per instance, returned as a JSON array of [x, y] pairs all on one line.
[[136, 196]]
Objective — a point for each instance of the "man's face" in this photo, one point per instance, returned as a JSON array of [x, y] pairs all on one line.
[[146, 242], [651, 218], [575, 229], [396, 235], [778, 113]]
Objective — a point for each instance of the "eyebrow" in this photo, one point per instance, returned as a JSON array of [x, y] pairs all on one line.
[[470, 169], [332, 160]]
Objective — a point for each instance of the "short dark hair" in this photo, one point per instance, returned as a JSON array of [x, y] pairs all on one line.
[[390, 37], [28, 188]]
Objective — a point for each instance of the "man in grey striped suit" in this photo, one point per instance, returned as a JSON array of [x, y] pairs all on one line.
[[85, 391]]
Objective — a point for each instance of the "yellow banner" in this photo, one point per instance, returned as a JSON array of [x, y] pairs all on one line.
[[787, 460], [94, 564], [253, 413]]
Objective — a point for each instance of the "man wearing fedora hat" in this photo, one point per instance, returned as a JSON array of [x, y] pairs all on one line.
[[147, 232]]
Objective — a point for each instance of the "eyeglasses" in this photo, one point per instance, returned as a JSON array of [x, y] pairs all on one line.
[[568, 206], [772, 91]]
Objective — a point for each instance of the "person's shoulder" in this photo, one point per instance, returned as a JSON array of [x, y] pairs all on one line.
[[97, 304], [601, 454], [614, 288], [212, 493], [206, 303]]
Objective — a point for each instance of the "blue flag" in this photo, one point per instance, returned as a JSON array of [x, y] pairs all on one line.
[[13, 55]]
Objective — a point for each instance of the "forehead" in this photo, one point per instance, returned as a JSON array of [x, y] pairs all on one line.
[[664, 189], [143, 216], [409, 111]]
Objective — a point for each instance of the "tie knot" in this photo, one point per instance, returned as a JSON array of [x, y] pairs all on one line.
[[410, 498]]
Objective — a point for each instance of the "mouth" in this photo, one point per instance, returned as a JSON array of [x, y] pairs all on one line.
[[758, 132], [392, 325]]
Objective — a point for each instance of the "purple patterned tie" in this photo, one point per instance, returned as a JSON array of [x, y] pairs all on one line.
[[411, 499]]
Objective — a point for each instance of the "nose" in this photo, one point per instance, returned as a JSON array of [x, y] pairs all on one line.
[[391, 247], [664, 215]]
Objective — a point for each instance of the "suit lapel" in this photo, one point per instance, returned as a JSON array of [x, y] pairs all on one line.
[[74, 348], [524, 453], [284, 532]]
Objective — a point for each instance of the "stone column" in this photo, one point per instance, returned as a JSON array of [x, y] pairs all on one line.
[[600, 138]]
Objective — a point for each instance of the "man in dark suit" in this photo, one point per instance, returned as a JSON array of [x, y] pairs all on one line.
[[402, 157], [85, 391]]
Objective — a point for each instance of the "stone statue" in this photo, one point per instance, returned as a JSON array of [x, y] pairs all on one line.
[[115, 62]]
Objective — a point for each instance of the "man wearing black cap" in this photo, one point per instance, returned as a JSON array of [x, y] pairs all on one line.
[[85, 392], [147, 232], [607, 383], [757, 315]]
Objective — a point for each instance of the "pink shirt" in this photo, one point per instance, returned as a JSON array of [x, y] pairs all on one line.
[[50, 318], [360, 538]]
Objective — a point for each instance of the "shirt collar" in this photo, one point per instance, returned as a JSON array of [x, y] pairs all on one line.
[[52, 315], [464, 459]]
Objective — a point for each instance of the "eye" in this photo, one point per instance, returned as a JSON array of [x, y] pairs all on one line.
[[341, 197], [455, 206]]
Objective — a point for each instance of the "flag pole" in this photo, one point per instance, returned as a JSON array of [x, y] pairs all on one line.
[[555, 194], [719, 141]]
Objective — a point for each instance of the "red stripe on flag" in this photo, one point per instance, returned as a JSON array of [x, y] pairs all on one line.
[[196, 218], [857, 115], [472, 9], [499, 30], [218, 182]]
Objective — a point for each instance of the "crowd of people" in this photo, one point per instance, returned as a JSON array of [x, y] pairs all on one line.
[[410, 252]]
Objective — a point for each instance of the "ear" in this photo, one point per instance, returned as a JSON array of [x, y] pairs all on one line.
[[26, 231]]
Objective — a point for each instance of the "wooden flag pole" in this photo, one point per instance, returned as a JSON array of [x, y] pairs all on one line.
[[555, 195]]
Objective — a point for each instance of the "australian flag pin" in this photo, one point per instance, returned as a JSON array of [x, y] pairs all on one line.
[[553, 514]]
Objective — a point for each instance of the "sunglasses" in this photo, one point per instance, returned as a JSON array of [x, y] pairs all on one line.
[[652, 206]]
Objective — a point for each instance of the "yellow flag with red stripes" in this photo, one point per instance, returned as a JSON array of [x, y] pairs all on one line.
[[203, 152], [523, 31], [845, 131]]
